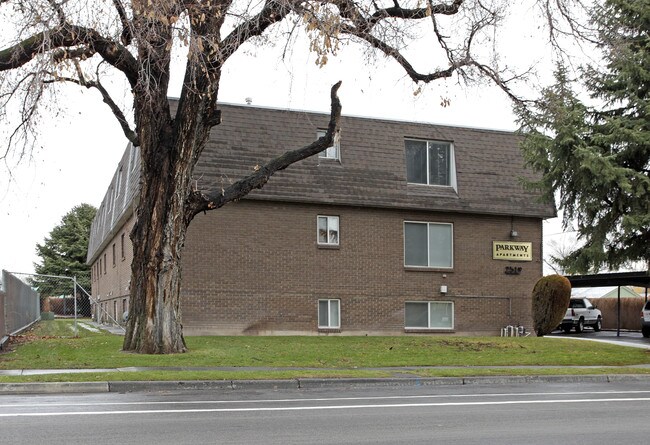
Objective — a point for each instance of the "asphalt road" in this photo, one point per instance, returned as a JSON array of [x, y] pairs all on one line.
[[522, 414]]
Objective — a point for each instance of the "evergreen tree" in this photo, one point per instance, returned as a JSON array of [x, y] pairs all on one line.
[[597, 159], [63, 253]]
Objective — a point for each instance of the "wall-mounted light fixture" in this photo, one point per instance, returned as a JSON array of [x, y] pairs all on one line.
[[443, 289], [513, 232]]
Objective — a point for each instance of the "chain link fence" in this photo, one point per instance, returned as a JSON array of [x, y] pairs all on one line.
[[19, 305], [64, 297]]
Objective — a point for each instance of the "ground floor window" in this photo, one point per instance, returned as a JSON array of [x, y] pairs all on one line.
[[125, 308], [329, 314], [429, 315]]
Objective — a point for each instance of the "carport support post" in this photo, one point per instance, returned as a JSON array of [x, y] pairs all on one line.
[[618, 313]]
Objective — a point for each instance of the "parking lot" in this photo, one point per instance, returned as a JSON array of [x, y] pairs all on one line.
[[629, 338]]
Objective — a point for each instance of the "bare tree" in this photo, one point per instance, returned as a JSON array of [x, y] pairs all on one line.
[[78, 41]]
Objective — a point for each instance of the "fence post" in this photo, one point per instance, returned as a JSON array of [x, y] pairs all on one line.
[[74, 295]]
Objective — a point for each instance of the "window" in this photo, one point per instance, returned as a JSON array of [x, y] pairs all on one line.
[[105, 264], [430, 162], [329, 314], [118, 182], [100, 266], [110, 198], [122, 246], [429, 315], [133, 157], [328, 230], [113, 254], [333, 152], [428, 244]]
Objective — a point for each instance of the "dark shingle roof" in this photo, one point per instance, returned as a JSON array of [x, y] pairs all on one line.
[[117, 205], [372, 171]]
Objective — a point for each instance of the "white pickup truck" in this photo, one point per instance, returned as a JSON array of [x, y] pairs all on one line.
[[581, 313]]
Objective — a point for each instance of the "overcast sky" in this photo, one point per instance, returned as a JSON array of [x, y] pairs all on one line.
[[79, 147]]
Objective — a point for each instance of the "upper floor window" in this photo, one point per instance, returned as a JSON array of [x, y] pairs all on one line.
[[328, 230], [430, 163], [332, 152], [428, 244], [118, 182], [109, 199]]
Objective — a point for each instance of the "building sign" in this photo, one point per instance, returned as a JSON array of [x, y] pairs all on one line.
[[512, 251]]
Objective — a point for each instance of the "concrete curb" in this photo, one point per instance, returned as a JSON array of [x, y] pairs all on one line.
[[53, 388], [275, 385]]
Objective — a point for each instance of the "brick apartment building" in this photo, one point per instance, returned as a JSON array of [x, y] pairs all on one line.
[[400, 228]]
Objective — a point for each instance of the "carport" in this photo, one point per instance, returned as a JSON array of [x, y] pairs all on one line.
[[618, 279]]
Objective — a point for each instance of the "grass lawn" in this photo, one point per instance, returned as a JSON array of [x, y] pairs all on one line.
[[50, 345]]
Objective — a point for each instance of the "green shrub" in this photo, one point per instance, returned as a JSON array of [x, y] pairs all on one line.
[[551, 296], [47, 315]]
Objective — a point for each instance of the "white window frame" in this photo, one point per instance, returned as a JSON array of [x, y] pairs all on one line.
[[338, 230], [452, 163], [428, 266], [331, 152], [329, 309], [429, 304]]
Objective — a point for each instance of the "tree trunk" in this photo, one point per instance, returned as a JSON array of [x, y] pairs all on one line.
[[154, 325]]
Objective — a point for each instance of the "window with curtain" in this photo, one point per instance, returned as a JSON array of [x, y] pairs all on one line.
[[429, 162], [328, 230]]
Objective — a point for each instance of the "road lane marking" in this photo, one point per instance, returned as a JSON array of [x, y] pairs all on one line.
[[324, 407], [322, 399]]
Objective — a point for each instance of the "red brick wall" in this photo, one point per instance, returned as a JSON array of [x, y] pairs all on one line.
[[255, 268], [114, 284]]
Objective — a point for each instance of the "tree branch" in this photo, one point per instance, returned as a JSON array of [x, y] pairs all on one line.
[[399, 58], [130, 134], [349, 10], [67, 36], [418, 13], [81, 52], [272, 12], [199, 202], [127, 32], [58, 10]]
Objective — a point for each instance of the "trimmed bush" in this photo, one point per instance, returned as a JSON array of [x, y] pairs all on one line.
[[551, 296]]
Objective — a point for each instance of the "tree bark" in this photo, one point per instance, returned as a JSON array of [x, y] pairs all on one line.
[[154, 325]]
